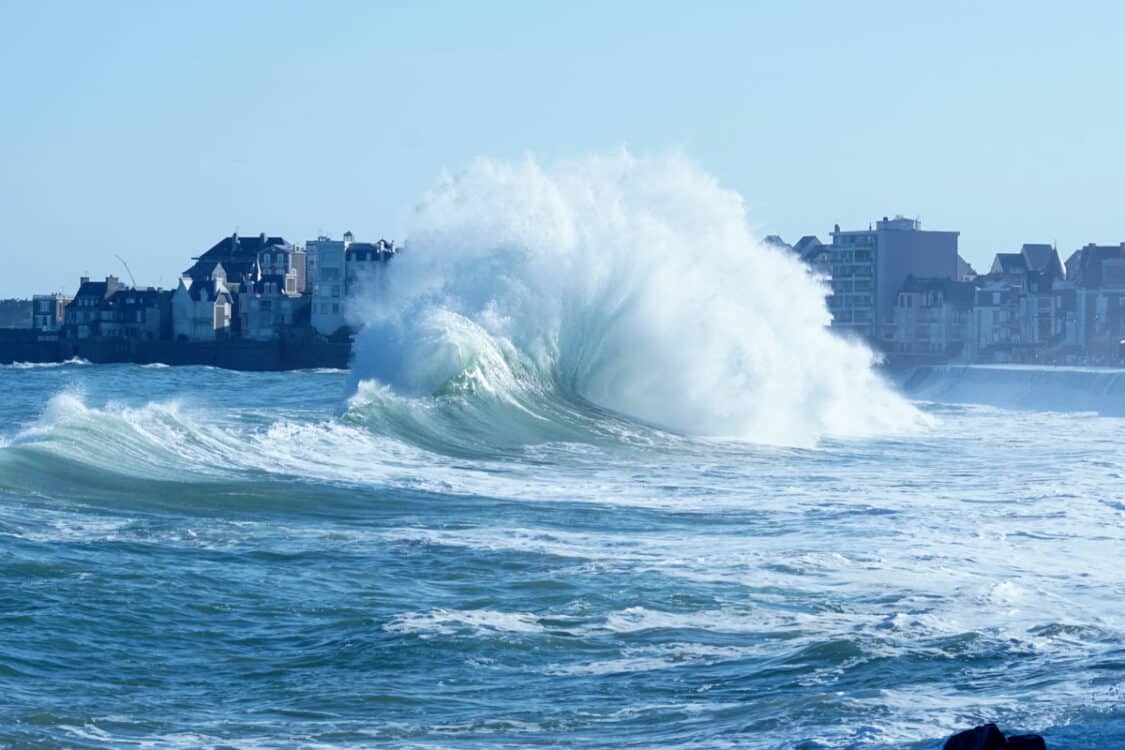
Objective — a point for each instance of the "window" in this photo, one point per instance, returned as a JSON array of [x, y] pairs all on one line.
[[336, 308]]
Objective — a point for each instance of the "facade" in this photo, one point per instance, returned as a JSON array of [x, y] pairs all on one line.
[[138, 313], [83, 315], [49, 311], [270, 306], [870, 266], [364, 264], [934, 318], [341, 268], [996, 323], [328, 259], [202, 310], [1097, 273]]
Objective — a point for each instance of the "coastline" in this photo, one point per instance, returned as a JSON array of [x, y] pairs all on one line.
[[294, 351]]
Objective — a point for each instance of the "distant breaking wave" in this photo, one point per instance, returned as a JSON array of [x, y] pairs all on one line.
[[608, 283], [73, 361]]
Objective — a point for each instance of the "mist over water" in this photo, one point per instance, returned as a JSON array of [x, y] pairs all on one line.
[[633, 284]]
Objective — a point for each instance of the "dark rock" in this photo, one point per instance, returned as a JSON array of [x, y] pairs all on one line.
[[987, 737], [1026, 742]]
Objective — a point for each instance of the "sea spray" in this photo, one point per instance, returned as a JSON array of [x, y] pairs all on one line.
[[633, 284]]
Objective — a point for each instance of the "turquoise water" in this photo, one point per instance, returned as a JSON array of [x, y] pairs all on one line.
[[199, 558]]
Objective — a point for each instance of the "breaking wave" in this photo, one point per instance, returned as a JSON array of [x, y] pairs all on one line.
[[72, 362], [633, 286]]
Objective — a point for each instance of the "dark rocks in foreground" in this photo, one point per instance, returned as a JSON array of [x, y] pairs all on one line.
[[989, 737]]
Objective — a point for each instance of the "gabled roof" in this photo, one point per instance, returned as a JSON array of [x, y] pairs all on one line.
[[1084, 266], [206, 291], [808, 246], [1042, 258], [1010, 263]]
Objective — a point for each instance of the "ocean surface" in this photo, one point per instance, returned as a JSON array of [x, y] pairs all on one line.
[[197, 558]]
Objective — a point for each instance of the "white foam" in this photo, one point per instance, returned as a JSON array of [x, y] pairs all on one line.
[[476, 621], [635, 282], [72, 362]]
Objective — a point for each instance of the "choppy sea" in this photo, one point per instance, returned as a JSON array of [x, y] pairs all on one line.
[[198, 558]]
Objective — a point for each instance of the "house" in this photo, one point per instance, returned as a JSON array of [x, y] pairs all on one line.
[[202, 310], [137, 313], [996, 323], [1039, 259], [342, 269], [933, 318], [83, 314], [1097, 273], [49, 312], [271, 305], [364, 262]]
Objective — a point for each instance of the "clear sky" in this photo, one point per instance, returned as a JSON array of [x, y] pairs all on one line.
[[151, 129]]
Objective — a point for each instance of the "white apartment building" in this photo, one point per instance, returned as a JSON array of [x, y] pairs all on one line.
[[327, 262]]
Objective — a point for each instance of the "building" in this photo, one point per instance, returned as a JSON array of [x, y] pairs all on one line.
[[870, 266], [270, 306], [996, 324], [1039, 259], [137, 313], [1048, 315], [327, 261], [83, 314], [49, 311], [364, 264], [1097, 273], [933, 318], [202, 309]]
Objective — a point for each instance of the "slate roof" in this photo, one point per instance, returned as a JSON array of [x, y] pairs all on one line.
[[807, 247], [1009, 263], [1085, 266], [91, 289], [239, 255], [1042, 258]]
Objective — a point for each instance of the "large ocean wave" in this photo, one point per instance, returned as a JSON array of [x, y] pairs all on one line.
[[631, 285]]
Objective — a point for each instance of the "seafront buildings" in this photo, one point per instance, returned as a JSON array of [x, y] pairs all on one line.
[[902, 289], [909, 294], [257, 288]]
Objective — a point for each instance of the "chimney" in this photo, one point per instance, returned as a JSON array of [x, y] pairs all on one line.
[[110, 285], [84, 280]]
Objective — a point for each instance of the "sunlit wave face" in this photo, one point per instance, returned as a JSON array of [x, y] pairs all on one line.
[[635, 284]]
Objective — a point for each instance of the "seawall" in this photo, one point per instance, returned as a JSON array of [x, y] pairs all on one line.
[[1099, 390], [289, 353]]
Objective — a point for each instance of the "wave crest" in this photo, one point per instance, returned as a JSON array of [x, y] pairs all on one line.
[[632, 284]]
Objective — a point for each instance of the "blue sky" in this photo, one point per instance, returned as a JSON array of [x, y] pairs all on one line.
[[151, 129]]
